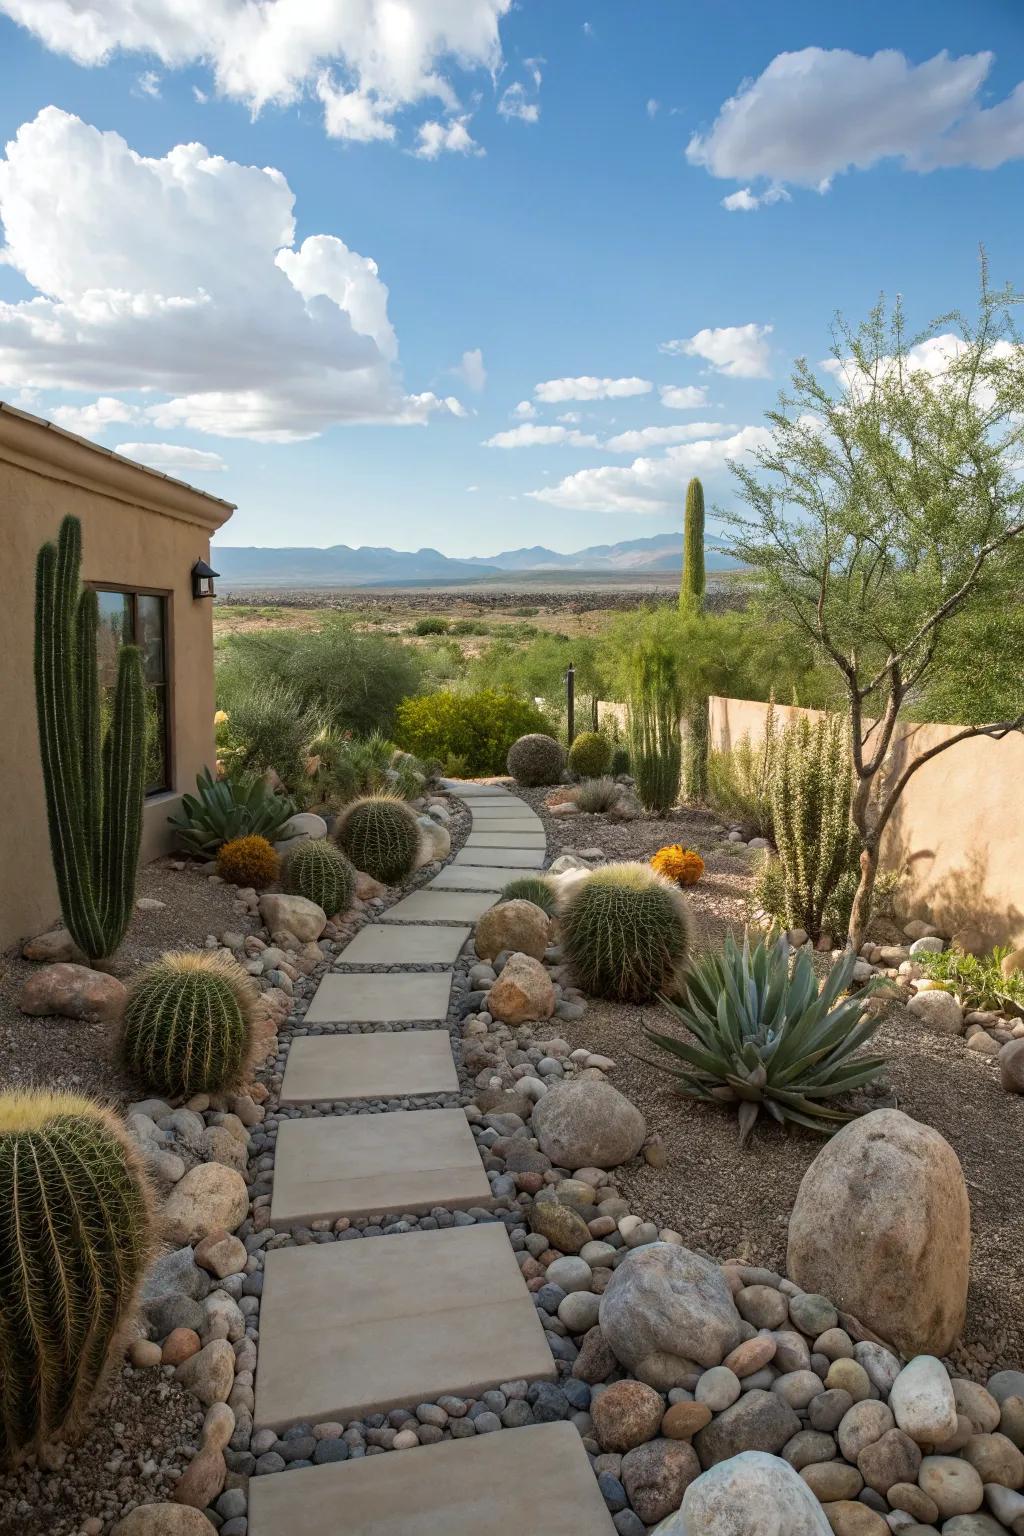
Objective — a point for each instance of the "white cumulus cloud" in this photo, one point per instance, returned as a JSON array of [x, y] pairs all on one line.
[[520, 99], [739, 351], [180, 276], [534, 435], [93, 419], [649, 484], [383, 55], [472, 369], [452, 137], [525, 409], [683, 397], [818, 112], [173, 459], [586, 387], [641, 438]]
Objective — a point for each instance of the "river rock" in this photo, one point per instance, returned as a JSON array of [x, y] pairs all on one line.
[[293, 914], [164, 1520], [882, 1225], [523, 993], [996, 1460], [1011, 1066], [666, 1308], [209, 1374], [210, 1198], [753, 1494], [73, 992], [656, 1475], [588, 1123], [892, 1459], [938, 1011], [922, 1401], [560, 1224], [626, 1415], [952, 1483], [759, 1421], [517, 926]]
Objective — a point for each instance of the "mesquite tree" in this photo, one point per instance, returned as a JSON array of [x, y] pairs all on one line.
[[691, 600], [885, 512], [93, 790]]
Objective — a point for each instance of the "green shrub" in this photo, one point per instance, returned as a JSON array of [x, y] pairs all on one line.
[[431, 626], [596, 795], [620, 761], [533, 888], [977, 980], [380, 836], [268, 727], [811, 791], [625, 933], [536, 759], [477, 729], [469, 627], [590, 755], [76, 1232], [769, 1041], [187, 1026], [740, 780], [316, 870], [226, 809]]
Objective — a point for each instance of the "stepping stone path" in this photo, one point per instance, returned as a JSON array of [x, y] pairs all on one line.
[[353, 1328]]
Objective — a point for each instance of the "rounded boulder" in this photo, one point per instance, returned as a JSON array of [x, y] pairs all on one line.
[[588, 1124], [667, 1311], [753, 1494], [513, 925]]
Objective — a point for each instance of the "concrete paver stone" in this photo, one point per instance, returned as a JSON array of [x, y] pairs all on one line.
[[391, 997], [398, 1064]]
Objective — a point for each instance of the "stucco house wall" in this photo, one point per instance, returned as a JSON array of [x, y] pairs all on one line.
[[140, 529]]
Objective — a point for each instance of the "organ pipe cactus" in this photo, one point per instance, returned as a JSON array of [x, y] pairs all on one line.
[[691, 598], [93, 794], [811, 792], [319, 872], [75, 1236], [625, 933], [380, 835], [188, 1024]]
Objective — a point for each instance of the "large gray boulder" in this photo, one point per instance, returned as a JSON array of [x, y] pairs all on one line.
[[753, 1494], [588, 1124], [882, 1226], [666, 1312]]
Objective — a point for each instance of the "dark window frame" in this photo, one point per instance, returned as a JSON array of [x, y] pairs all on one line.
[[167, 594]]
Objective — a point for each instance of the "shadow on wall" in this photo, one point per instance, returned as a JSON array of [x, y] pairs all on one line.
[[955, 900]]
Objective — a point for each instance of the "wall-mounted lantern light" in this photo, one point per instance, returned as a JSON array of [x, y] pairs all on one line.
[[202, 579]]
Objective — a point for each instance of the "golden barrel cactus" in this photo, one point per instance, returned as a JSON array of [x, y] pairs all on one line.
[[683, 865]]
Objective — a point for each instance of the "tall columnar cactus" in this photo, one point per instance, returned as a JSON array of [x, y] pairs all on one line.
[[811, 790], [93, 794], [380, 835], [187, 1026], [319, 872], [625, 933], [75, 1236], [691, 600]]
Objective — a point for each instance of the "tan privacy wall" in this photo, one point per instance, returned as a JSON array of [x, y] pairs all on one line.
[[139, 529], [957, 832]]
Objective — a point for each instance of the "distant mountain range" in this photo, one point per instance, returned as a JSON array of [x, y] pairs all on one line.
[[342, 566]]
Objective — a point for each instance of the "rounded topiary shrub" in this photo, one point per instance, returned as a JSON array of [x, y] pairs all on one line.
[[590, 755], [380, 835], [248, 861], [76, 1233], [534, 760], [625, 933], [319, 872], [187, 1025], [532, 888]]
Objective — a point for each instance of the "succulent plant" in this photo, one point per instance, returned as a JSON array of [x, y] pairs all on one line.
[[590, 755], [620, 761], [316, 870], [768, 1040], [380, 835], [625, 933], [248, 861], [76, 1231], [536, 759], [683, 865], [533, 888], [187, 1025], [811, 794], [596, 795], [225, 809]]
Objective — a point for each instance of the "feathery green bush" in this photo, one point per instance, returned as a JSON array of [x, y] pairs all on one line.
[[811, 791], [740, 779], [531, 888], [536, 759], [625, 933], [770, 1041], [316, 870], [187, 1026], [76, 1231], [380, 836], [590, 755], [470, 733]]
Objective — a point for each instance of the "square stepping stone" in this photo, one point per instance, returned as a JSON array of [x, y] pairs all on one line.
[[357, 1165], [502, 858], [397, 945], [385, 1066], [428, 906], [469, 877], [389, 998], [511, 809], [470, 787], [517, 839], [348, 1329], [535, 1480]]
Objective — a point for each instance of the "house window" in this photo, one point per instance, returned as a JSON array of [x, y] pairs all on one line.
[[139, 618]]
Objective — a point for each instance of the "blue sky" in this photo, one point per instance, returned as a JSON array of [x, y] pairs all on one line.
[[547, 193]]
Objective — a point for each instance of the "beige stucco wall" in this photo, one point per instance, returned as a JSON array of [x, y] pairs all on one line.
[[957, 832], [139, 529]]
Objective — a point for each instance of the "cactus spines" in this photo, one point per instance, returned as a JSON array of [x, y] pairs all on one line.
[[625, 933], [380, 835], [188, 1024], [536, 759], [533, 888], [319, 872], [811, 791], [76, 1232], [93, 795]]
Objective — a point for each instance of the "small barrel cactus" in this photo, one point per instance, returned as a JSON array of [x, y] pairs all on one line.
[[533, 888], [76, 1231], [188, 1023], [381, 836], [683, 865], [248, 861], [319, 872], [625, 933], [536, 759], [590, 755]]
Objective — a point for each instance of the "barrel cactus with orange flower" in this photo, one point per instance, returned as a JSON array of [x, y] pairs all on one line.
[[683, 865]]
